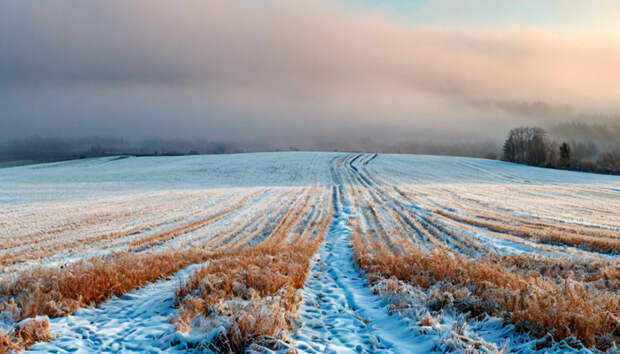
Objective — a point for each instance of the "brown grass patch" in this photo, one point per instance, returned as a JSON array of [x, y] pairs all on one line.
[[143, 242], [150, 240], [603, 274], [290, 218], [255, 287], [25, 335], [567, 307], [50, 233], [539, 233], [57, 292], [60, 291], [48, 250]]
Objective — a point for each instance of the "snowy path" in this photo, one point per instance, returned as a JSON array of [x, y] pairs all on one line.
[[341, 313], [132, 323]]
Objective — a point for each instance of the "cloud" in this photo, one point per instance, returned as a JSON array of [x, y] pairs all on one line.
[[276, 69], [570, 17]]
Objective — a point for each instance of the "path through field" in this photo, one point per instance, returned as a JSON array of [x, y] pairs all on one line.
[[340, 313], [341, 310], [362, 211]]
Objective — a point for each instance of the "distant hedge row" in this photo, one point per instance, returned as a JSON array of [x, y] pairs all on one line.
[[533, 146]]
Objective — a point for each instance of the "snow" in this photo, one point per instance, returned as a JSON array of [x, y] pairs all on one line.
[[341, 311], [502, 246], [110, 176], [6, 321], [428, 169]]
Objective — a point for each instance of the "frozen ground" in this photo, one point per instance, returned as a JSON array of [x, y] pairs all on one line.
[[108, 176], [134, 323], [55, 213], [117, 176]]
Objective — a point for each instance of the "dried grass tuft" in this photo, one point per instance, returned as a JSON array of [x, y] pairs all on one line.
[[567, 307], [601, 241], [57, 292], [255, 288], [25, 334], [60, 291]]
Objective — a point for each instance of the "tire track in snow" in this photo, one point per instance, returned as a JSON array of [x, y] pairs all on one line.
[[132, 323], [341, 313]]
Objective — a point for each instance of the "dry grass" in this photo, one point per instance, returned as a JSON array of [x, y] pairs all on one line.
[[48, 250], [57, 292], [123, 223], [48, 234], [535, 303], [580, 209], [150, 240], [60, 291], [603, 274], [255, 287], [292, 216], [537, 223], [543, 234], [25, 335], [543, 295]]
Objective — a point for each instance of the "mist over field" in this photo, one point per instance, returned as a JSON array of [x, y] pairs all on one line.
[[311, 74]]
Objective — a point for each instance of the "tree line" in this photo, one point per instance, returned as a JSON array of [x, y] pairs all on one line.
[[42, 149], [533, 146]]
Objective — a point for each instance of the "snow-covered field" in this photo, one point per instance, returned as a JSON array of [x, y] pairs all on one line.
[[547, 235]]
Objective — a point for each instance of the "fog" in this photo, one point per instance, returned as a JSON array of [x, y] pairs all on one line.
[[275, 74]]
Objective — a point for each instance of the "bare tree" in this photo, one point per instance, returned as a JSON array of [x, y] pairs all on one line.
[[565, 155], [609, 162], [527, 145], [510, 147], [537, 147]]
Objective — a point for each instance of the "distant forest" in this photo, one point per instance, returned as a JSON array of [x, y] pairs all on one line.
[[574, 146], [40, 149]]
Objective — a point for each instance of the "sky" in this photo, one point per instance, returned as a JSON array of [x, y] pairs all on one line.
[[561, 16], [305, 71]]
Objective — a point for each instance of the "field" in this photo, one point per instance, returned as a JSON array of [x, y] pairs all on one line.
[[307, 252]]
